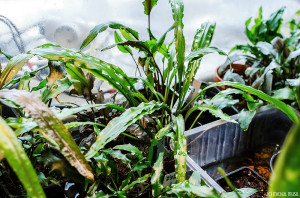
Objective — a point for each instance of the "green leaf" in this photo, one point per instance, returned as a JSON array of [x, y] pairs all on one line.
[[203, 36], [284, 94], [195, 178], [233, 77], [119, 124], [102, 27], [18, 160], [148, 5], [243, 192], [52, 127], [180, 148], [186, 189], [102, 163], [130, 148], [215, 111], [100, 69], [275, 20], [199, 53], [157, 175], [24, 82], [266, 48], [286, 174], [118, 155], [245, 118], [77, 124], [277, 103], [125, 48], [137, 181], [56, 88], [177, 11], [21, 124], [223, 101], [41, 85], [99, 194], [67, 112], [6, 55], [13, 66]]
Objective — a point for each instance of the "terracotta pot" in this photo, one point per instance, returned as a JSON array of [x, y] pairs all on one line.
[[237, 68]]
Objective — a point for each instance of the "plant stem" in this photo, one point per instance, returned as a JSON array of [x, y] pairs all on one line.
[[149, 26], [196, 119], [137, 66]]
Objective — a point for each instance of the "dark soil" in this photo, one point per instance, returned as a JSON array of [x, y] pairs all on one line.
[[246, 179]]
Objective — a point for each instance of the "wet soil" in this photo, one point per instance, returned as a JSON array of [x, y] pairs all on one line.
[[245, 178]]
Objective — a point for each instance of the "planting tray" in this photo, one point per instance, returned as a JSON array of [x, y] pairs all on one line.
[[222, 144], [245, 177]]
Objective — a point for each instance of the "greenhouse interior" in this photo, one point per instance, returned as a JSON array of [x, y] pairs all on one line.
[[151, 98]]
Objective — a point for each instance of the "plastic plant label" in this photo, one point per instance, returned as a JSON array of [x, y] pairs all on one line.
[[169, 179]]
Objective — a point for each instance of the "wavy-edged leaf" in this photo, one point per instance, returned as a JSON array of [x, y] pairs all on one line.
[[119, 124], [199, 53], [19, 161], [52, 127], [203, 36], [102, 27], [215, 111], [70, 111], [148, 5], [277, 103], [180, 148], [243, 193], [77, 124], [159, 136], [141, 45], [177, 11], [157, 175], [105, 71], [191, 190], [137, 181], [13, 66], [130, 148], [286, 174], [202, 39]]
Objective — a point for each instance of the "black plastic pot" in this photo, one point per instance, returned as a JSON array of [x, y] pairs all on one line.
[[245, 177], [220, 143]]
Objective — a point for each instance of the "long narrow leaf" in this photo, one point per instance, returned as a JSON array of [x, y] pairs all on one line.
[[177, 10], [286, 174], [277, 103], [13, 66], [102, 27], [18, 160], [52, 127], [180, 149], [118, 125], [157, 175], [108, 72]]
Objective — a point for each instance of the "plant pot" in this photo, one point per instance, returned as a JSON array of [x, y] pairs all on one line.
[[245, 177], [224, 144], [237, 68]]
